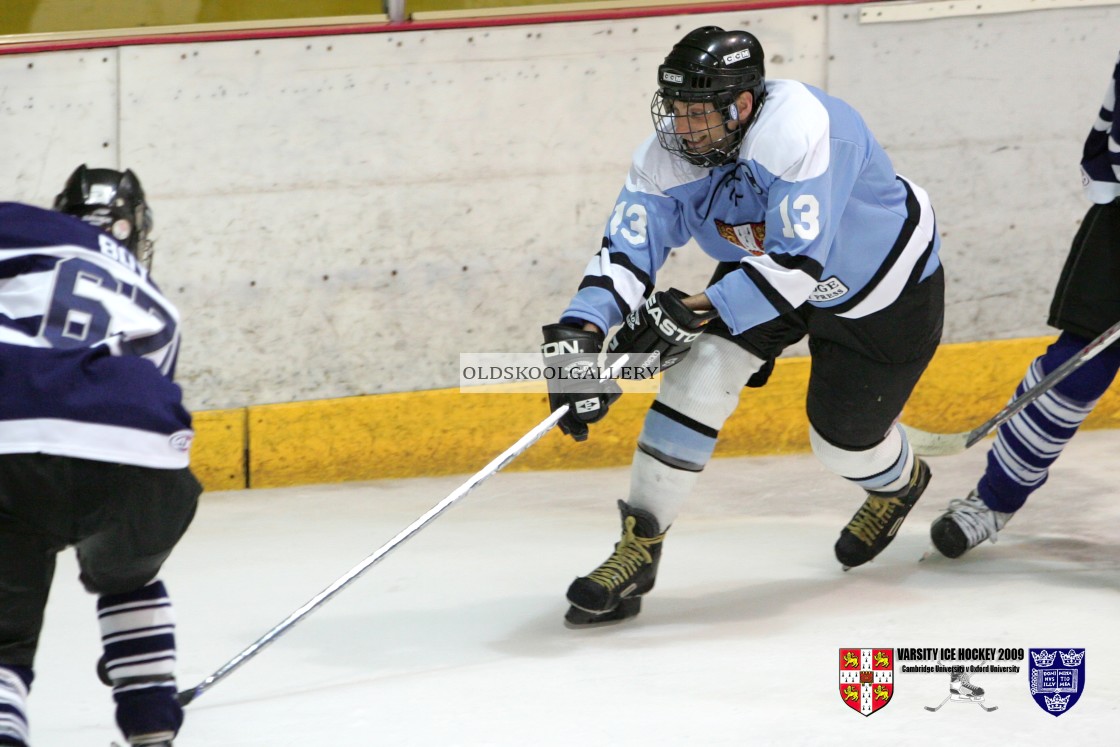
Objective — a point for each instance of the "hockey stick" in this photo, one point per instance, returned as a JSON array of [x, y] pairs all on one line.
[[496, 464], [500, 461], [929, 708], [925, 443]]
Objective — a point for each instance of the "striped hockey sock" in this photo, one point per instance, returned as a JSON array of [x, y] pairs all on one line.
[[14, 683], [1027, 444], [138, 635]]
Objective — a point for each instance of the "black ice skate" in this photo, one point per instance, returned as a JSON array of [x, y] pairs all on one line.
[[612, 592], [965, 524], [961, 690], [875, 524]]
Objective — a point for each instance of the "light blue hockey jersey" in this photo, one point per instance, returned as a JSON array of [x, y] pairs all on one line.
[[88, 346], [812, 211]]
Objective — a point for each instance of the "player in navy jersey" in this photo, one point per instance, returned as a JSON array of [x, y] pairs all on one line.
[[814, 235], [94, 443], [1085, 304]]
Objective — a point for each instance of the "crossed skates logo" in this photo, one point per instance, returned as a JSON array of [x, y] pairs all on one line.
[[866, 678], [1055, 686]]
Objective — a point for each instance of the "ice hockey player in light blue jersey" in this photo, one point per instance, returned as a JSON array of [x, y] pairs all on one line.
[[811, 211], [94, 443], [815, 235]]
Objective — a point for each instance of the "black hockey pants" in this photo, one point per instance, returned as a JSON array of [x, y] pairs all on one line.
[[122, 520]]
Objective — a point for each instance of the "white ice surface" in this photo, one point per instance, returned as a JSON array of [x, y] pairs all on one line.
[[456, 637]]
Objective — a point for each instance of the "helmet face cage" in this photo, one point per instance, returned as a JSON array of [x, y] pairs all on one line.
[[679, 133], [113, 202], [709, 67]]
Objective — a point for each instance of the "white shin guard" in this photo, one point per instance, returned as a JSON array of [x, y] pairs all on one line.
[[706, 385], [658, 488], [697, 396], [883, 468]]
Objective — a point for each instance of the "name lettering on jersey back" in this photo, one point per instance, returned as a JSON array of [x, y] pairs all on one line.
[[120, 254]]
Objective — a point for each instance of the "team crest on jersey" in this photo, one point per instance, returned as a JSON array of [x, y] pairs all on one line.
[[750, 237], [1057, 678], [866, 678]]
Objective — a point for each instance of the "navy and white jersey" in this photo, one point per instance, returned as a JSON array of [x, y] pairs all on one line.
[[1100, 162], [812, 211], [88, 345]]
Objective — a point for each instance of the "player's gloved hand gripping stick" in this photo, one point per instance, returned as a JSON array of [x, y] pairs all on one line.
[[662, 325], [570, 354], [658, 333]]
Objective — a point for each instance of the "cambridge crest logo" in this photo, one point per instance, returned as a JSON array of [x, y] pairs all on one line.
[[866, 678], [1057, 678], [750, 237]]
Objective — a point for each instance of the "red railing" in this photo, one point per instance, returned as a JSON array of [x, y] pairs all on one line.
[[216, 32]]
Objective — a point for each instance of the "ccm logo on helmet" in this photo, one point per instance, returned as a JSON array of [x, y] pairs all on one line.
[[734, 57], [671, 77]]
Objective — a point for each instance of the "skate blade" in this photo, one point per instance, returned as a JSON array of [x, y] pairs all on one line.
[[577, 619]]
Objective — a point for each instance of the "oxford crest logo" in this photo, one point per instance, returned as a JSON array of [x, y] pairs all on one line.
[[866, 678], [1057, 678]]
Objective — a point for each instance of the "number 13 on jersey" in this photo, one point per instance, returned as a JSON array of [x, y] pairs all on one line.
[[804, 221]]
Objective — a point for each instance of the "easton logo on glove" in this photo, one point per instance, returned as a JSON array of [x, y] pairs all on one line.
[[663, 325]]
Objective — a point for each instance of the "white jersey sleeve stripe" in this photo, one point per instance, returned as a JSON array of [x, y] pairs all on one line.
[[623, 280], [792, 285], [887, 290], [794, 154]]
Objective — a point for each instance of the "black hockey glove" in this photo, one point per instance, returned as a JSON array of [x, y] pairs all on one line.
[[573, 355], [662, 325]]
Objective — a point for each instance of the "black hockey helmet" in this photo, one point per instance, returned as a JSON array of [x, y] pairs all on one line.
[[709, 65], [112, 201]]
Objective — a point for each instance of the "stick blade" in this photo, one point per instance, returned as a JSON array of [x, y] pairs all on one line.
[[925, 443]]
